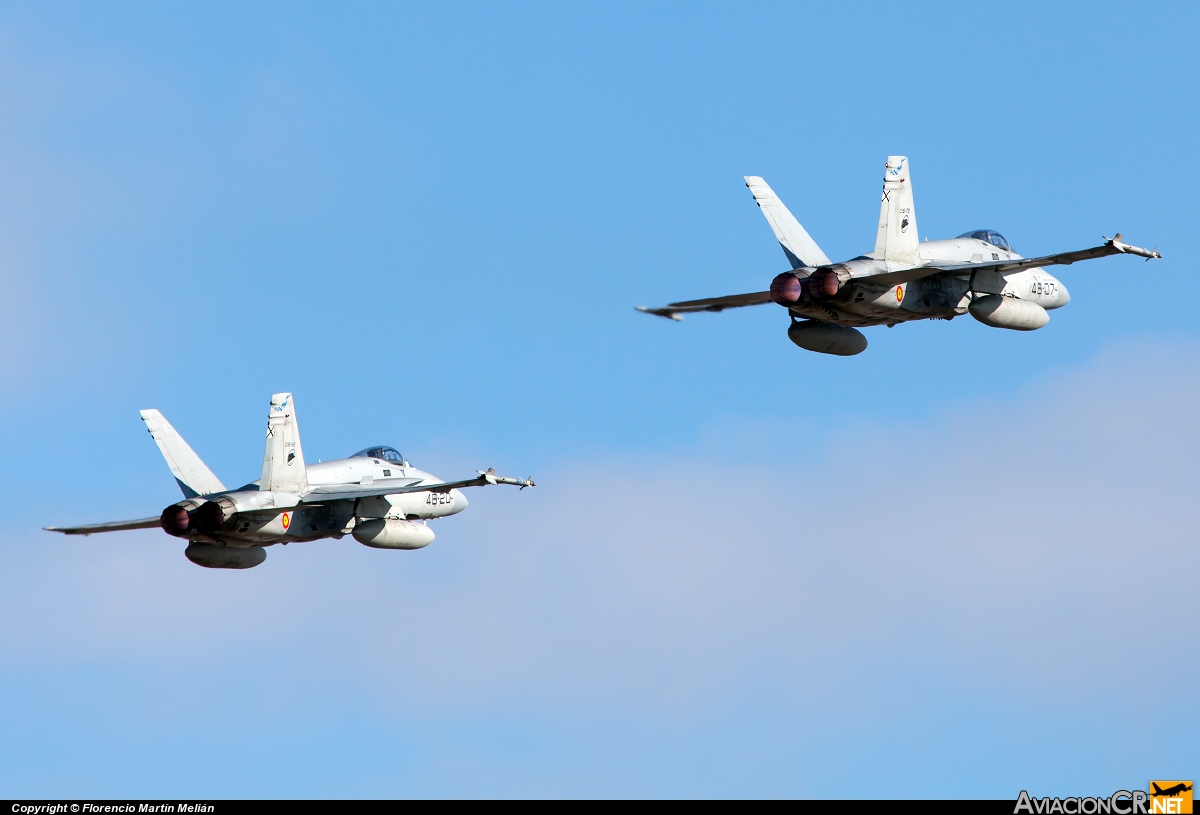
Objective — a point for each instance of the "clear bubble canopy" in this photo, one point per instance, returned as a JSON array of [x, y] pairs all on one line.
[[988, 236], [389, 454]]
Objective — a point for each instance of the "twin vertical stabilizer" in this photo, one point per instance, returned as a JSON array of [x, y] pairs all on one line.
[[283, 461], [897, 240], [193, 477], [798, 245]]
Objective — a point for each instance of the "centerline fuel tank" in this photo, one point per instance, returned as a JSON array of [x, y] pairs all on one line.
[[392, 533], [1008, 312], [840, 340], [224, 557]]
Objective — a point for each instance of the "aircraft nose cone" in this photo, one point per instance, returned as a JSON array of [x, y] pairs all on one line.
[[1064, 296]]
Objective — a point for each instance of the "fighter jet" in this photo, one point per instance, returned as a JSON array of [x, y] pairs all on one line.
[[375, 495], [903, 279]]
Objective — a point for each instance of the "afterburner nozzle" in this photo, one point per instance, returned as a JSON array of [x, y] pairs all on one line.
[[824, 283], [175, 520], [786, 289], [210, 516]]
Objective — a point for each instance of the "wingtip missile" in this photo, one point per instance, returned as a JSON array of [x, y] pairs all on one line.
[[490, 477], [1129, 249]]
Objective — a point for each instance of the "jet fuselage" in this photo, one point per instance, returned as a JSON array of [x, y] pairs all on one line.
[[329, 518], [940, 296], [903, 278]]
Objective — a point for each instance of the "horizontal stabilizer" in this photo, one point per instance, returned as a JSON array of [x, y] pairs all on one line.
[[113, 526]]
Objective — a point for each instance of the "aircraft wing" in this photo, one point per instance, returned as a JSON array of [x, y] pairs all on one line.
[[400, 486], [112, 526], [674, 310], [1110, 247]]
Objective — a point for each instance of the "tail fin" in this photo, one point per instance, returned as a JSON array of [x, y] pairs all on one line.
[[194, 478], [283, 461], [800, 249], [897, 236]]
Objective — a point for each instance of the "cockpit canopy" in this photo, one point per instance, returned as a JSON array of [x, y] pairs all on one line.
[[988, 236], [388, 454]]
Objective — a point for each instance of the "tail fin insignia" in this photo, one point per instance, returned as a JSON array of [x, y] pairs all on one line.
[[896, 239], [283, 459]]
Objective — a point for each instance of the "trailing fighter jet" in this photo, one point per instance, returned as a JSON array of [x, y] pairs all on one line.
[[375, 495], [902, 279]]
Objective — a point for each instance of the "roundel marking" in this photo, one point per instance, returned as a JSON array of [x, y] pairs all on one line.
[[286, 520], [899, 293]]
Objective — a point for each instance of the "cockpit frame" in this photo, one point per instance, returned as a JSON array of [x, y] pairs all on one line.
[[384, 453], [989, 236]]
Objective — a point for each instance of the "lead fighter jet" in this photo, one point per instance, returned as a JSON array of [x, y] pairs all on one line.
[[375, 495], [902, 279]]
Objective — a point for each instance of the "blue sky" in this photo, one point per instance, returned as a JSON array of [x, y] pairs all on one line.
[[748, 570]]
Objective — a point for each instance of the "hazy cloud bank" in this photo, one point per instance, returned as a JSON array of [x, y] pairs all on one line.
[[948, 598]]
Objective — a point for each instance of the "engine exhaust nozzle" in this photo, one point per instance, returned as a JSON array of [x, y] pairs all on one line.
[[824, 283], [786, 289], [175, 520], [210, 516]]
